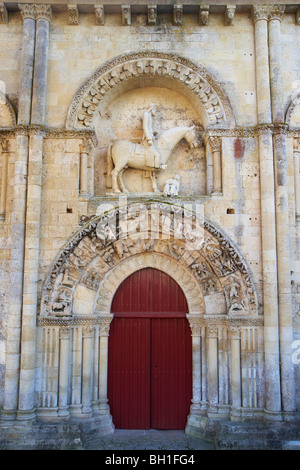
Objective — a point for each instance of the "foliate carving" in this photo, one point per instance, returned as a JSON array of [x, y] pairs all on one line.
[[229, 14], [73, 14], [126, 15], [64, 332], [234, 332], [28, 10], [152, 14], [125, 67], [4, 143], [44, 12], [3, 14], [267, 12], [177, 14], [203, 15], [212, 331], [276, 12], [99, 14], [196, 323], [215, 143]]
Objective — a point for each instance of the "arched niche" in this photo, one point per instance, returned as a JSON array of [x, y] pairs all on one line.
[[7, 113], [114, 99], [149, 69], [293, 110]]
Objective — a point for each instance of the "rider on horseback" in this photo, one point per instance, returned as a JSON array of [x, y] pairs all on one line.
[[152, 157]]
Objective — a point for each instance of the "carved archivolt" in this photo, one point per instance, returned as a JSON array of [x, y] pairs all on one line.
[[122, 69], [108, 248], [7, 112], [295, 101]]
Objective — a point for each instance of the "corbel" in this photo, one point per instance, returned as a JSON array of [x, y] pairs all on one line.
[[152, 14], [229, 14], [177, 14], [73, 14], [3, 14], [100, 14], [126, 15], [298, 16], [203, 15]]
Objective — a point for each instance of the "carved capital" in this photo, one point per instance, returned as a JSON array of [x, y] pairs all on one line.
[[126, 15], [87, 331], [215, 143], [86, 145], [44, 12], [234, 332], [177, 14], [276, 12], [27, 10], [196, 324], [212, 331], [3, 14], [267, 12], [296, 144], [100, 14], [64, 333], [4, 144], [73, 14], [203, 15], [229, 14], [152, 14], [264, 129]]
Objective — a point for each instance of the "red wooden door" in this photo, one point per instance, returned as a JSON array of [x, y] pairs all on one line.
[[150, 354]]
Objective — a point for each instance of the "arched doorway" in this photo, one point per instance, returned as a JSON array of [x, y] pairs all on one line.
[[149, 353]]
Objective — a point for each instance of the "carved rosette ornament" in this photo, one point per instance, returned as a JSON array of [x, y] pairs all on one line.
[[165, 65]]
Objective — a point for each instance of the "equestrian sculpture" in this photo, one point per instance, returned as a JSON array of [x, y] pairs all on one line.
[[151, 154]]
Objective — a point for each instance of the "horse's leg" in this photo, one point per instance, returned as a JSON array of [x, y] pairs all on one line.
[[154, 185], [114, 180], [123, 187]]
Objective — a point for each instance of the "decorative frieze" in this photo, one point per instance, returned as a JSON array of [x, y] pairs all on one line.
[[3, 14]]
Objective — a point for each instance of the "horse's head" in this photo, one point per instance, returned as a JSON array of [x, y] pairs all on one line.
[[191, 137]]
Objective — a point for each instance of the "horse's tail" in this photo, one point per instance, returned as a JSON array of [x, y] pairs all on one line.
[[109, 166]]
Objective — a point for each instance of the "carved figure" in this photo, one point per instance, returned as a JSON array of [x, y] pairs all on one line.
[[124, 154], [171, 187]]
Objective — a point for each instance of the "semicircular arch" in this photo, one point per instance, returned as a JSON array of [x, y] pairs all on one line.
[[150, 68]]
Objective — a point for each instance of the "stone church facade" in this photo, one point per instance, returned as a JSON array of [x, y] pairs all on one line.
[[151, 134]]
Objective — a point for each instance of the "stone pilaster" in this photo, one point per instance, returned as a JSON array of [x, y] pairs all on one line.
[[33, 211], [268, 219], [11, 384], [282, 212], [3, 191]]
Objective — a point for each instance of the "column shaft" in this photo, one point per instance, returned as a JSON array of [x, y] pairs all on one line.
[[282, 215], [268, 221]]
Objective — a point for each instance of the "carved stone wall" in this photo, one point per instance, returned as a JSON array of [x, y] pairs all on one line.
[[106, 249]]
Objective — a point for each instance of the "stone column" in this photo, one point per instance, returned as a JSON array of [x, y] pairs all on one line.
[[103, 363], [236, 384], [296, 146], [4, 146], [268, 221], [87, 370], [282, 213], [18, 216], [83, 179], [195, 324], [216, 146], [33, 213], [212, 368], [63, 381]]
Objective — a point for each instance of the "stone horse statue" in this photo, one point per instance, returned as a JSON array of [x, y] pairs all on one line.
[[124, 154]]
